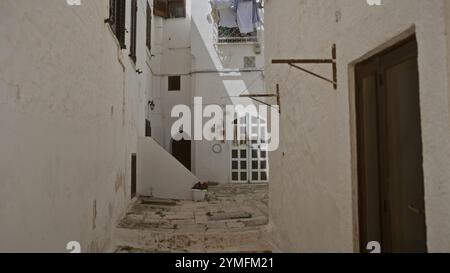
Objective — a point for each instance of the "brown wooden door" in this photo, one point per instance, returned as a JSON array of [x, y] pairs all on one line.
[[391, 191], [133, 175], [181, 150], [368, 153], [148, 128]]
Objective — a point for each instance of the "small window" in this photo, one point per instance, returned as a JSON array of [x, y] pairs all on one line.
[[160, 8], [174, 83], [170, 8], [148, 41], [177, 8], [117, 20]]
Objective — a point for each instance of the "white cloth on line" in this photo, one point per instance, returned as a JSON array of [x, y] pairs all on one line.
[[245, 17], [227, 18]]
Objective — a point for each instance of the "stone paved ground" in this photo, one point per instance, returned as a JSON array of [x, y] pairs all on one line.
[[233, 219]]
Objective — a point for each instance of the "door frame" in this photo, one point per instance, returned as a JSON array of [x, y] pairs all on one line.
[[390, 45], [252, 142]]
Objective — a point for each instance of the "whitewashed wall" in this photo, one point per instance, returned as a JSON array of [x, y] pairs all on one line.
[[71, 109], [160, 175], [185, 46], [313, 178], [171, 57], [209, 60], [447, 33]]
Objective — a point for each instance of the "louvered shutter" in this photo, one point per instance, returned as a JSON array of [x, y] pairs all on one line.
[[161, 8]]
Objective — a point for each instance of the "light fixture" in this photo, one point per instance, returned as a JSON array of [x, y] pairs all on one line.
[[152, 105]]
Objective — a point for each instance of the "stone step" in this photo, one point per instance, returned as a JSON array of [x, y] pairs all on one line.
[[185, 241], [234, 221], [260, 247]]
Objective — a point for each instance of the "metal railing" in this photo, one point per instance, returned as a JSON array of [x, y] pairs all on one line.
[[233, 35]]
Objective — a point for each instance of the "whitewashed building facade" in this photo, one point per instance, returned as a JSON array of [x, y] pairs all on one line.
[[81, 86], [367, 161]]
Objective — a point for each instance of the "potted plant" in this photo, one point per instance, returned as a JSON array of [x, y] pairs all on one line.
[[199, 191]]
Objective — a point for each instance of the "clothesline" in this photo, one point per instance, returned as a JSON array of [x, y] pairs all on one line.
[[242, 14]]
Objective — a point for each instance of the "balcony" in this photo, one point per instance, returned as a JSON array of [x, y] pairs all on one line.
[[223, 35]]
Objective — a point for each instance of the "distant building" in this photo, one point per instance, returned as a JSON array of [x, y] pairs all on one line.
[[200, 58]]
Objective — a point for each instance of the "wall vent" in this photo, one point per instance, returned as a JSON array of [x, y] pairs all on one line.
[[249, 62]]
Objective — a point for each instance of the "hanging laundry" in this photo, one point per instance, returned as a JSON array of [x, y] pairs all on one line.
[[256, 16], [245, 16], [227, 18], [227, 15], [214, 13]]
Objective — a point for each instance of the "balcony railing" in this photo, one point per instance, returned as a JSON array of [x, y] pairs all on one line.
[[225, 35]]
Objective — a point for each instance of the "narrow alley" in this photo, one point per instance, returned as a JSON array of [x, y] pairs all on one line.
[[263, 127]]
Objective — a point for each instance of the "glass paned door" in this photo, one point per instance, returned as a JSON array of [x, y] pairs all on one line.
[[249, 156]]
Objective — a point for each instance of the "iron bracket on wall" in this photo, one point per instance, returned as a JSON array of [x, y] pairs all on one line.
[[332, 61], [256, 97]]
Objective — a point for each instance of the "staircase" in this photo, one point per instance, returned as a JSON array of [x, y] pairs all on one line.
[[233, 220], [160, 174]]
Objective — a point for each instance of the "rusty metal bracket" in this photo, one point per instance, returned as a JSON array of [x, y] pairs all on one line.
[[256, 96], [332, 61]]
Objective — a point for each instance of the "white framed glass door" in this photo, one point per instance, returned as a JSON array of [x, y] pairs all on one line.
[[249, 155]]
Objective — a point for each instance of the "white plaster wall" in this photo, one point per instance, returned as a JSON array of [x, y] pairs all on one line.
[[171, 57], [217, 76], [161, 175], [185, 46], [71, 108], [447, 17], [312, 174]]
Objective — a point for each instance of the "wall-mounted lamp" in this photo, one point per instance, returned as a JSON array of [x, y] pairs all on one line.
[[151, 105], [139, 71]]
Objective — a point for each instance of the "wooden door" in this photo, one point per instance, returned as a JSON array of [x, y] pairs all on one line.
[[133, 175], [391, 190], [148, 128], [181, 150]]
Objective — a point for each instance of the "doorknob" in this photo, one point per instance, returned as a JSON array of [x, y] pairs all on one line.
[[416, 210]]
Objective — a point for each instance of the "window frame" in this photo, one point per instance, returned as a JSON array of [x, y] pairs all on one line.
[[162, 8], [133, 31], [148, 38], [170, 84], [173, 2], [116, 20]]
